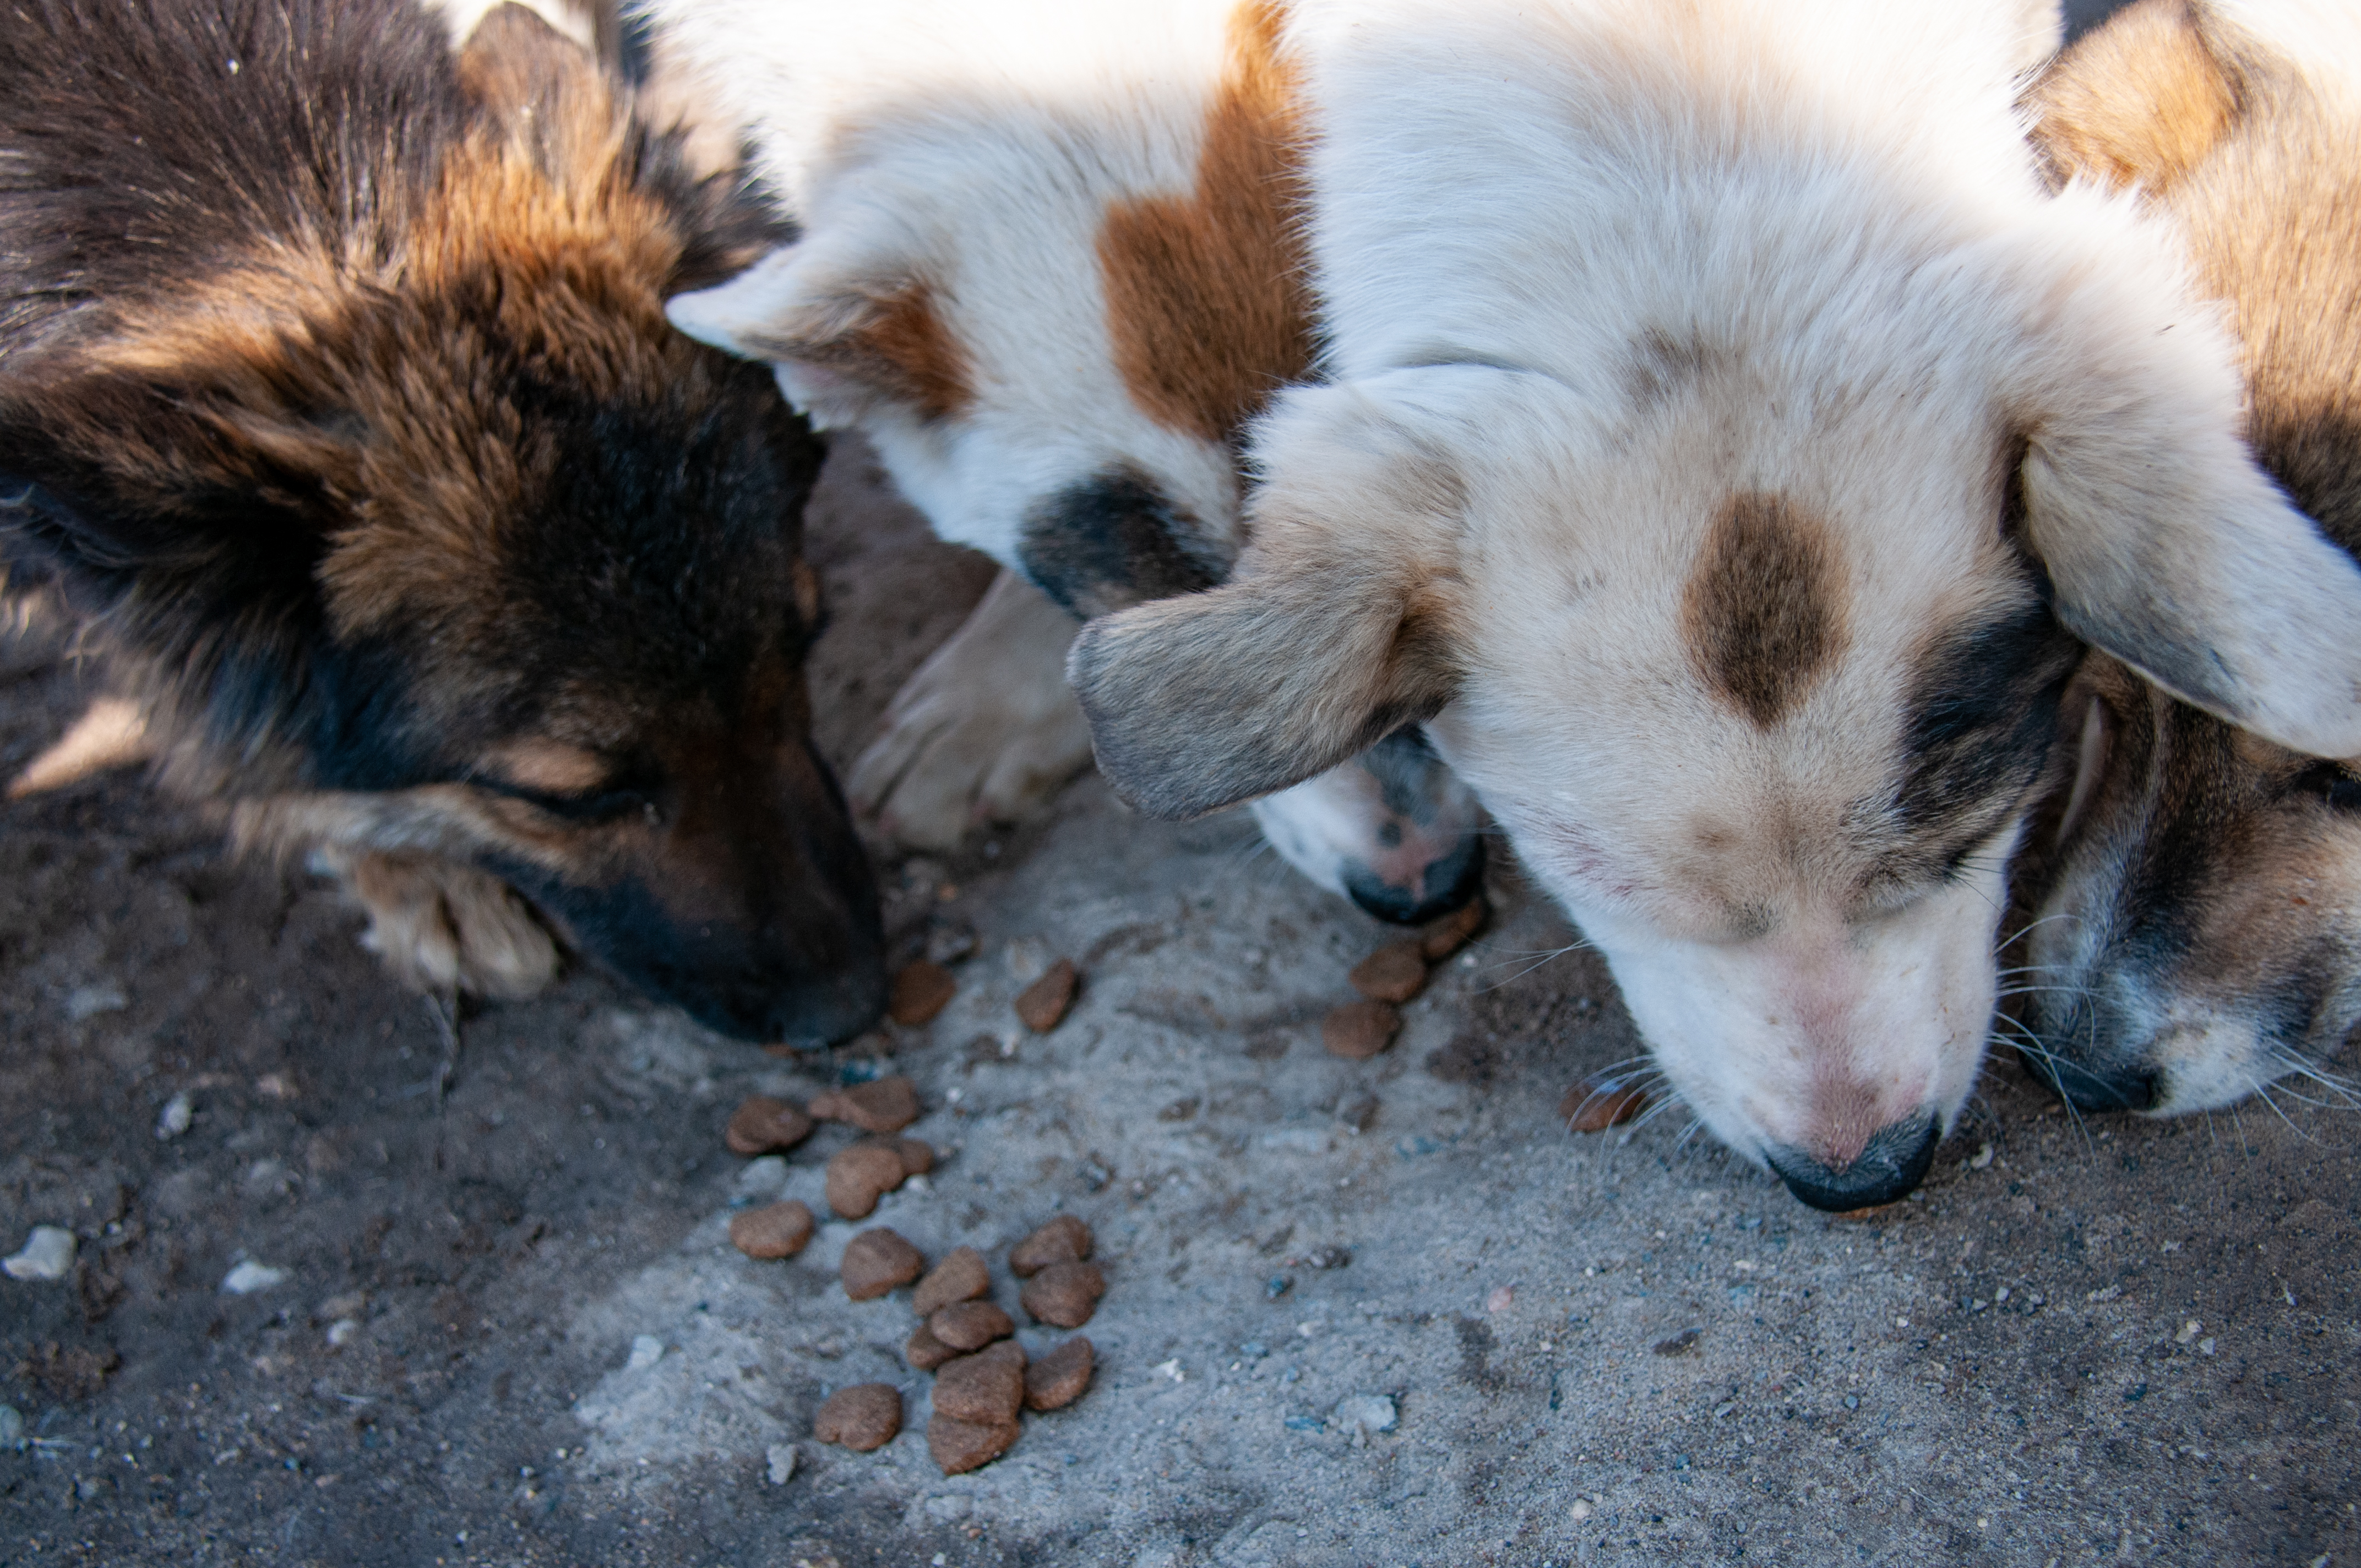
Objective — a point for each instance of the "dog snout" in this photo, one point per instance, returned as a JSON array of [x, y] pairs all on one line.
[[1893, 1161], [1424, 893], [2096, 1087]]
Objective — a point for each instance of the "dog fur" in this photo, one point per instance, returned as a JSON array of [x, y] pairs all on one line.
[[2197, 931], [337, 396], [1049, 266], [1720, 406]]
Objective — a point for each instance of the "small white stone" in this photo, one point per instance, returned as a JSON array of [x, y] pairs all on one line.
[[782, 1457], [2189, 1331], [174, 1119], [1169, 1369], [251, 1276], [646, 1350], [1580, 1511], [1366, 1412], [2106, 1293], [49, 1254], [343, 1329], [90, 1001], [765, 1176], [1983, 1157], [1500, 1299]]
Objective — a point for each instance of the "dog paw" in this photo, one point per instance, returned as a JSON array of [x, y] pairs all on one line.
[[985, 731], [443, 927]]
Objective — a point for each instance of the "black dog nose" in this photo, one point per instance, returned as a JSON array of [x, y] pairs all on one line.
[[2093, 1089], [1889, 1164], [1447, 885]]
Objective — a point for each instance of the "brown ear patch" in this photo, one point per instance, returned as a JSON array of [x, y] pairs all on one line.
[[895, 342], [2140, 100], [1764, 614], [1205, 297]]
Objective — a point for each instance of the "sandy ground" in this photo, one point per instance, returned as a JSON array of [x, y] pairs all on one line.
[[2120, 1341]]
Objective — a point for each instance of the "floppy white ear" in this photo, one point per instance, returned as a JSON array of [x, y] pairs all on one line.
[[1335, 628], [2168, 546]]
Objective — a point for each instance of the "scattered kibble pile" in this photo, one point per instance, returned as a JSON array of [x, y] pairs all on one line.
[[1392, 975]]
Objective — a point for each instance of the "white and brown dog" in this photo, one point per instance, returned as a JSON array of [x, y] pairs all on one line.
[[1721, 405], [1049, 264], [2199, 918]]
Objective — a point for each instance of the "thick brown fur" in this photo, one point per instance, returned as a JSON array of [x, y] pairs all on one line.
[[336, 392]]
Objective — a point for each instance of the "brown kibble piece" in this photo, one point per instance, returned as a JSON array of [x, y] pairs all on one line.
[[760, 1124], [876, 1261], [961, 1276], [1065, 1294], [961, 1446], [969, 1325], [920, 992], [1394, 972], [887, 1105], [986, 1388], [918, 1156], [859, 1176], [1453, 932], [1360, 1030], [1059, 1378], [1597, 1103], [774, 1230], [924, 1351], [1041, 1005], [1006, 1350], [862, 1416], [1063, 1240]]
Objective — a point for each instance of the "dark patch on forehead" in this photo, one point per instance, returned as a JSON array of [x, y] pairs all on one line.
[[1982, 710], [1765, 611], [1115, 539]]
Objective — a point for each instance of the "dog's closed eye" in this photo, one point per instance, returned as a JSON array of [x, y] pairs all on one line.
[[2330, 782]]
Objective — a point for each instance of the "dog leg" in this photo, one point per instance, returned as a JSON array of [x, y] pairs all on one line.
[[986, 731], [441, 926]]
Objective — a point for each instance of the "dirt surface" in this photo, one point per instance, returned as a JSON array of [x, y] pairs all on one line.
[[1381, 1312]]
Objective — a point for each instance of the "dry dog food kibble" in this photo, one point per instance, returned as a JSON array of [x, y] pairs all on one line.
[[762, 1124], [961, 1446], [774, 1230], [863, 1417], [1448, 935], [969, 1325], [887, 1105], [1065, 1294], [1040, 1005], [1597, 1103], [876, 1261], [1360, 1030], [924, 1350], [1006, 1350], [1059, 1378], [920, 992], [1063, 1240], [961, 1276], [983, 1388], [1394, 972], [918, 1156], [859, 1176]]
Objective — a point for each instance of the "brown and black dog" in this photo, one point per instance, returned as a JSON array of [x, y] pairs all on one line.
[[2198, 930], [336, 395]]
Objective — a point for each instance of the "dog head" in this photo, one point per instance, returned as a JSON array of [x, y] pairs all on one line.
[[1750, 629], [2197, 930], [420, 529]]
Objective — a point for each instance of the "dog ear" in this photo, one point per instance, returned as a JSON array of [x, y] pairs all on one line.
[[841, 344], [514, 60], [2167, 546], [2140, 100], [1336, 629]]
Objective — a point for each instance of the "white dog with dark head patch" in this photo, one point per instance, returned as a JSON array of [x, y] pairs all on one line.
[[1049, 266], [1720, 407]]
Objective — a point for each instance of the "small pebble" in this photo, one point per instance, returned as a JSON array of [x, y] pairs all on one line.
[[923, 1352], [249, 1278], [961, 1446], [1041, 1005], [950, 942], [646, 1350], [962, 1275], [1360, 1030], [1059, 1378], [969, 1325], [876, 1261], [886, 1105], [982, 1389], [1065, 1294], [762, 1124], [1369, 1412], [920, 991], [1448, 935], [781, 1457], [1063, 1240], [175, 1118], [1597, 1103], [859, 1176], [11, 1427], [1394, 972], [48, 1253], [863, 1417], [774, 1230]]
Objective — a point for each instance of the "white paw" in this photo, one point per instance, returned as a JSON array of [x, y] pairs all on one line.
[[443, 927]]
